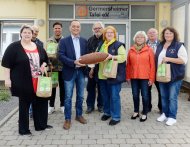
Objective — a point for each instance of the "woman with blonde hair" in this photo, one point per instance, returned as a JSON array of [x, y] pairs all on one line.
[[111, 87], [141, 72]]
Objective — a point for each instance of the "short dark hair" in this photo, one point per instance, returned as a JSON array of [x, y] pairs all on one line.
[[57, 23], [171, 29]]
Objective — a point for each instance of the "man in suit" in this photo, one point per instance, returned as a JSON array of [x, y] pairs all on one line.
[[70, 50]]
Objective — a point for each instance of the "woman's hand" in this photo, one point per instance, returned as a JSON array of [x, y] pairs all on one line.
[[165, 59], [43, 66], [109, 57], [150, 83], [128, 81]]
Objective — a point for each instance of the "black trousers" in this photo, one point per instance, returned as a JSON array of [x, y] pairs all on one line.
[[159, 97], [23, 126], [92, 85], [40, 114], [61, 92]]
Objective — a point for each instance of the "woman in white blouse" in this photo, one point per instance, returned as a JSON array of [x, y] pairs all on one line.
[[172, 52]]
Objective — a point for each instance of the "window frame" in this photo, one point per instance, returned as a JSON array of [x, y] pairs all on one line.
[[13, 21]]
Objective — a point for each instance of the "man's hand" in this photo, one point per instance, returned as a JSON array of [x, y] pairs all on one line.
[[78, 63]]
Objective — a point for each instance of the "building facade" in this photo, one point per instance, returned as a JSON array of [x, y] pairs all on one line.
[[180, 19], [126, 15]]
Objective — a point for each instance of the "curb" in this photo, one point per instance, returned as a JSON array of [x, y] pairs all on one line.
[[6, 118]]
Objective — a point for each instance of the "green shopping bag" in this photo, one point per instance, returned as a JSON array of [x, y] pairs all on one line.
[[161, 70], [44, 86], [163, 73], [54, 78], [52, 49], [110, 69]]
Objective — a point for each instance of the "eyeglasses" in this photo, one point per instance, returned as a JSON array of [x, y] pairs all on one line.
[[98, 28], [109, 32]]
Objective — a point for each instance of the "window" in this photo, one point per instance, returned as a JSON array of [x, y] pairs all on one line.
[[10, 31], [15, 37], [60, 11], [142, 18], [142, 12]]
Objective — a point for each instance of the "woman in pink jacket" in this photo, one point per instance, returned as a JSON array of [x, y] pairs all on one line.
[[141, 72]]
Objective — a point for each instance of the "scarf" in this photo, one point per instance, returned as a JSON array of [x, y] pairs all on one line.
[[139, 47], [106, 44]]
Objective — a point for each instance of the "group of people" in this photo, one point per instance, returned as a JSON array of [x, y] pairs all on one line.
[[26, 59]]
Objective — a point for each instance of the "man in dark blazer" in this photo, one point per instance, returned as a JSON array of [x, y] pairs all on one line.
[[70, 50]]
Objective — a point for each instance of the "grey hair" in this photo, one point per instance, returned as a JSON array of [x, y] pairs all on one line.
[[142, 33], [35, 28], [98, 22]]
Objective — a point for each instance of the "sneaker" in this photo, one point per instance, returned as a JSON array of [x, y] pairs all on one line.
[[62, 109], [162, 117], [171, 121], [51, 110]]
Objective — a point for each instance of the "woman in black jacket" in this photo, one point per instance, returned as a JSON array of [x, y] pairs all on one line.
[[24, 61]]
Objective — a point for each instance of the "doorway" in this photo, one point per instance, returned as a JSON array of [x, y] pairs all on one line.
[[122, 28]]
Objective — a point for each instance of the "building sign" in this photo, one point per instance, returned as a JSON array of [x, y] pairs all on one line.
[[102, 11]]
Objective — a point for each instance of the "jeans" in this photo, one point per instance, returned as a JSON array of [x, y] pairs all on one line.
[[169, 94], [79, 79], [111, 99], [91, 97], [137, 86]]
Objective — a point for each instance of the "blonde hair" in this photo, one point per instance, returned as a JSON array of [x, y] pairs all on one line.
[[105, 30], [142, 33]]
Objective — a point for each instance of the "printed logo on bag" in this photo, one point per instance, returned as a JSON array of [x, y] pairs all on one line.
[[51, 48]]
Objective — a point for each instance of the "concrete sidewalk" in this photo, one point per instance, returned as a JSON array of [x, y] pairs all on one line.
[[96, 133]]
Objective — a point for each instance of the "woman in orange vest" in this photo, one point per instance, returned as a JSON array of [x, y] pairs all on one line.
[[141, 72]]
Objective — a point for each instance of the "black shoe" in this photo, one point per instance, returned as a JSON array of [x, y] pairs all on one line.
[[142, 120], [113, 122], [40, 129], [48, 127], [28, 133], [100, 109], [89, 110], [105, 117], [134, 116]]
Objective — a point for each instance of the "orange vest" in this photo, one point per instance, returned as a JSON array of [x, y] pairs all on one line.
[[140, 64]]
